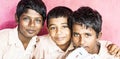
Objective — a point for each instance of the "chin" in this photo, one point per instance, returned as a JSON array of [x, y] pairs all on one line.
[[60, 43], [30, 35]]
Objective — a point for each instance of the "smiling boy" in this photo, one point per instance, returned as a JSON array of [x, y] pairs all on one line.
[[58, 41]]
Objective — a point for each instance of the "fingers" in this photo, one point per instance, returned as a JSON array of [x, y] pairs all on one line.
[[111, 48], [114, 50], [118, 53]]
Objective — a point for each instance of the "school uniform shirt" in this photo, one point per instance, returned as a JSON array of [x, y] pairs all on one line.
[[47, 49], [103, 52], [81, 53], [12, 48]]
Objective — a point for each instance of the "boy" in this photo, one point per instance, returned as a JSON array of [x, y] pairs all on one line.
[[58, 41], [86, 34], [19, 43]]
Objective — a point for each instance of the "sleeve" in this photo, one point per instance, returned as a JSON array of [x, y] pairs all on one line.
[[79, 53], [105, 43]]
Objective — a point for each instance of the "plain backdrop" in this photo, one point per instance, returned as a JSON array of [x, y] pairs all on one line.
[[109, 9]]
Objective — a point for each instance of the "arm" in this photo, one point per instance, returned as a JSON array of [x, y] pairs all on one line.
[[112, 48]]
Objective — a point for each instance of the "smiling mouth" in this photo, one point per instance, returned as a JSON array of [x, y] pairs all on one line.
[[60, 38]]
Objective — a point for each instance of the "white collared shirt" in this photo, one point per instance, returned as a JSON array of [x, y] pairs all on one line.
[[81, 53], [47, 49], [103, 52], [12, 48]]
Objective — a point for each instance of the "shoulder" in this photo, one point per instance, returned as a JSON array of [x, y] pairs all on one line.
[[4, 39], [4, 35], [46, 41], [44, 36], [43, 40], [104, 42], [4, 31]]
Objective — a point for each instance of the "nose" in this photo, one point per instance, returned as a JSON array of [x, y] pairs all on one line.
[[58, 31], [31, 23], [82, 40]]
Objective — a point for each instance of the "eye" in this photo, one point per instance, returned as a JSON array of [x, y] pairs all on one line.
[[65, 26], [76, 34], [38, 21], [52, 28], [26, 19], [87, 34]]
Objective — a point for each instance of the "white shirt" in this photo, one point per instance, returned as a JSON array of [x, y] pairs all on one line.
[[47, 49], [103, 53], [81, 53], [12, 48]]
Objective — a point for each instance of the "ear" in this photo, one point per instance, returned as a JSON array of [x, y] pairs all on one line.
[[99, 35], [16, 18]]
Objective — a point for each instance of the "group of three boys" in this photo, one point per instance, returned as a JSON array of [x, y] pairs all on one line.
[[68, 31]]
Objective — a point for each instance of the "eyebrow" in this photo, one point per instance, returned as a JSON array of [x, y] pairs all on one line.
[[75, 33], [50, 25], [30, 16], [64, 23], [54, 24]]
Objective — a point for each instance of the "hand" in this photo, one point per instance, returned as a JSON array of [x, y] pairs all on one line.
[[114, 50]]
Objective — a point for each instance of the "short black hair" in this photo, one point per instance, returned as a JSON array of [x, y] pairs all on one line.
[[88, 17], [61, 11], [37, 5]]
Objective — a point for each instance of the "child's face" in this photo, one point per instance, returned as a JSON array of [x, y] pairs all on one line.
[[84, 37], [30, 23], [59, 31]]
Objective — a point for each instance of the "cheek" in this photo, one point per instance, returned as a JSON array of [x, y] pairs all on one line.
[[67, 32], [75, 40], [91, 42], [38, 27], [23, 25], [23, 22], [52, 33]]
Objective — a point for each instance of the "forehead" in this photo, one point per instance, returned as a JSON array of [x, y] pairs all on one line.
[[32, 13], [57, 21], [81, 28]]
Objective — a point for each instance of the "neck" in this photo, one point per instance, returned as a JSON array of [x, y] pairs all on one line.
[[96, 49], [25, 40]]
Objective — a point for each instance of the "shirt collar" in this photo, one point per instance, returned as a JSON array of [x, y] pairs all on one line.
[[57, 48], [14, 39]]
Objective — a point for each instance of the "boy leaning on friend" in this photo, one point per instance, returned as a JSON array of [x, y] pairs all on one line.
[[86, 34], [58, 43]]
